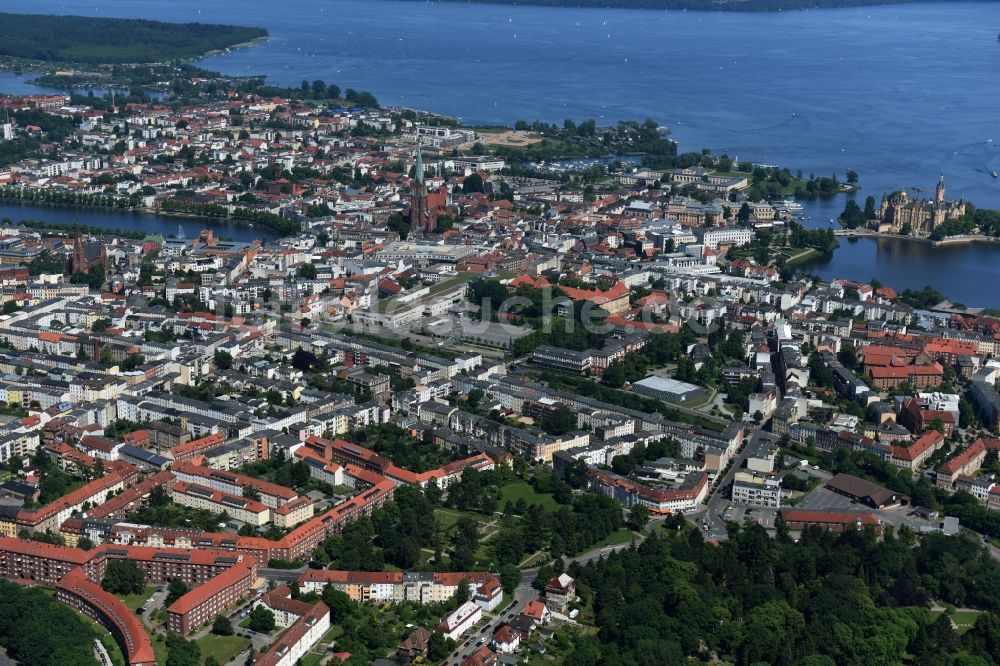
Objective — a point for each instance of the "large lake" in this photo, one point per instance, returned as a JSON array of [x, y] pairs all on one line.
[[900, 93], [150, 223]]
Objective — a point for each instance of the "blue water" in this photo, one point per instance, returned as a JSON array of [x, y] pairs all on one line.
[[20, 84], [134, 221], [901, 94]]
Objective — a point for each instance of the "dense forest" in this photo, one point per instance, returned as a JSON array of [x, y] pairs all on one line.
[[105, 40], [825, 599], [705, 5], [37, 630]]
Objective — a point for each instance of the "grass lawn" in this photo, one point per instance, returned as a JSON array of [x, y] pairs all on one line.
[[702, 401], [801, 256], [448, 518], [117, 658], [114, 651], [964, 620], [223, 648], [160, 648], [523, 490], [311, 659], [133, 601], [335, 632], [426, 554], [615, 538]]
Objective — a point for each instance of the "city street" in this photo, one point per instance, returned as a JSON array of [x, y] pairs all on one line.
[[713, 513], [522, 595]]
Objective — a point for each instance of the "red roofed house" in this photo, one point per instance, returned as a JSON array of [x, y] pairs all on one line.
[[560, 591], [212, 597], [835, 521], [413, 647], [913, 456], [614, 300], [76, 591], [506, 640], [966, 463], [915, 417], [527, 281], [537, 612], [484, 656], [920, 376]]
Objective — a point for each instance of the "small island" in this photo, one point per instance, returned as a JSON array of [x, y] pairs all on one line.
[[80, 39]]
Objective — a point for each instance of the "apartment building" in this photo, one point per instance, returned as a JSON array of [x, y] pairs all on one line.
[[291, 514], [914, 456], [272, 495], [293, 643], [396, 586], [757, 488], [460, 621], [76, 591], [241, 508], [214, 597], [688, 495]]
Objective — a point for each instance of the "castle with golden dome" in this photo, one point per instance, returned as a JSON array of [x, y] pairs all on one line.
[[900, 213]]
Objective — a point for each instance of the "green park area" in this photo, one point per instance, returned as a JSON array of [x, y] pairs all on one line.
[[523, 490], [223, 648], [134, 601]]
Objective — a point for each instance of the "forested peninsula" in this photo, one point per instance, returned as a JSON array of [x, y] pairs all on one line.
[[708, 5], [82, 39]]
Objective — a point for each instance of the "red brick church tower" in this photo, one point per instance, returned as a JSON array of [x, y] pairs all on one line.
[[421, 220], [87, 253]]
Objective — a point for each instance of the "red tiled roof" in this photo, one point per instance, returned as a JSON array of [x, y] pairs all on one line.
[[211, 587], [914, 450], [484, 656], [46, 550], [264, 487], [967, 454], [534, 609], [902, 372], [827, 517], [138, 648]]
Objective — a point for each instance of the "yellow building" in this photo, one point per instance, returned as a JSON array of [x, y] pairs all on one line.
[[900, 213]]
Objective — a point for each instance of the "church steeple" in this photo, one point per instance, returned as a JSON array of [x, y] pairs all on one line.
[[419, 168], [939, 191], [420, 218]]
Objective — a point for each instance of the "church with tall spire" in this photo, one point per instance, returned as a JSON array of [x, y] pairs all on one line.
[[87, 253], [421, 221]]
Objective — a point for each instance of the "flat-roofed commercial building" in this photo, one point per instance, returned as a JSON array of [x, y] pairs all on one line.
[[668, 390]]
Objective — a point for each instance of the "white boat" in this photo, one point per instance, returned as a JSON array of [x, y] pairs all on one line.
[[790, 205]]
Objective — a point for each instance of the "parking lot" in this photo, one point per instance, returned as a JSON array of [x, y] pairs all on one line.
[[821, 498], [760, 516]]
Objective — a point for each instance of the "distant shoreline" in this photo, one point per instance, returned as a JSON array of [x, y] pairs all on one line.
[[101, 41], [744, 6], [242, 45], [963, 239]]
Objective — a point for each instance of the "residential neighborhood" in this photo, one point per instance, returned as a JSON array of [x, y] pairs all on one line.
[[404, 419]]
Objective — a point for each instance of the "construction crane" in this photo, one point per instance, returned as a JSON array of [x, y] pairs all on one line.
[[918, 191]]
